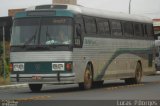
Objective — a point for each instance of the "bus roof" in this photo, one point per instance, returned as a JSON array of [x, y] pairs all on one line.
[[94, 12]]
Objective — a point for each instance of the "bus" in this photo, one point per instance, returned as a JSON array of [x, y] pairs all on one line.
[[97, 45], [156, 25]]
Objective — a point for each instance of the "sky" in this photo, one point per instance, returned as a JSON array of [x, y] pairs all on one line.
[[149, 8]]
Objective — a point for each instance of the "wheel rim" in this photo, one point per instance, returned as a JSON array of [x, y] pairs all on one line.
[[87, 79], [138, 74]]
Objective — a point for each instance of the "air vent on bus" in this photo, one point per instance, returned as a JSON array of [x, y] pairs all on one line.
[[51, 7]]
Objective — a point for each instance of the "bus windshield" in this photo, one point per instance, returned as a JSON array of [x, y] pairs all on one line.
[[42, 31]]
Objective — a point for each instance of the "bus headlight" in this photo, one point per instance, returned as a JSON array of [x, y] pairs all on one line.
[[18, 67], [58, 66]]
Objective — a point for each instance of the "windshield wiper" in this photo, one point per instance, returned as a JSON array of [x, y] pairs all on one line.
[[48, 35], [34, 35], [30, 39], [39, 31]]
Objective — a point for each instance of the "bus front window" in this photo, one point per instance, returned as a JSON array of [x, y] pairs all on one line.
[[25, 30], [42, 31]]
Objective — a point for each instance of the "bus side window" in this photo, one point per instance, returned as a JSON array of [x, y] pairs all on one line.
[[138, 30], [90, 25], [116, 28], [128, 29], [145, 30], [150, 32], [100, 26], [107, 28]]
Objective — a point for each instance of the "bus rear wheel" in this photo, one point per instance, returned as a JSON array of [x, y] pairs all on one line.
[[138, 75], [88, 79], [35, 87]]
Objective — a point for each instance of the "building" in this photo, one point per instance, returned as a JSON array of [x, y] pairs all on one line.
[[12, 12], [5, 22], [156, 25], [64, 2]]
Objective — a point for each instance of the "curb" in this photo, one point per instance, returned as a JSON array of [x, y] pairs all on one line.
[[14, 86]]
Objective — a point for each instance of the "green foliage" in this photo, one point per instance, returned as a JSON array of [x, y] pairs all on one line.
[[3, 64], [6, 66], [1, 49]]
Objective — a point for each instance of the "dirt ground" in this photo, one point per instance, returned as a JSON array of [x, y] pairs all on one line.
[[4, 82]]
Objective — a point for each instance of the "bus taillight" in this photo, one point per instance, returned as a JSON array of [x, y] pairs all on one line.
[[11, 67], [68, 66]]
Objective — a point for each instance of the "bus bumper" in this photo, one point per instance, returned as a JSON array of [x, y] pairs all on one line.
[[60, 78]]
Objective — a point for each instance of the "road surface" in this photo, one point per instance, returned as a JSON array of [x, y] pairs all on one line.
[[115, 89], [149, 89]]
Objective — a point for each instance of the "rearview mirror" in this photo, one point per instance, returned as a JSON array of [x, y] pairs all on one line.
[[78, 30]]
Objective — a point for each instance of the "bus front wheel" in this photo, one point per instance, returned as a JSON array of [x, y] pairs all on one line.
[[97, 84], [88, 79], [35, 87]]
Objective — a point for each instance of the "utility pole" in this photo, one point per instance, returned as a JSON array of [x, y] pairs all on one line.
[[4, 56], [130, 6]]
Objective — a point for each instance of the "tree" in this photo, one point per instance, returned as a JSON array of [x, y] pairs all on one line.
[[1, 49]]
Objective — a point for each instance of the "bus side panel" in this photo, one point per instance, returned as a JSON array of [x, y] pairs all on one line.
[[114, 58]]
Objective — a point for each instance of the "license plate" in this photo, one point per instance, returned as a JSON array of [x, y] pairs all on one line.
[[36, 77]]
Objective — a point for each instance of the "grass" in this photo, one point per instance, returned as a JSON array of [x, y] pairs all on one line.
[[4, 82]]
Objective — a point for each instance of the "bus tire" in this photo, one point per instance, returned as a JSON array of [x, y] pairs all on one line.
[[88, 79], [35, 87], [129, 80], [97, 84], [138, 75]]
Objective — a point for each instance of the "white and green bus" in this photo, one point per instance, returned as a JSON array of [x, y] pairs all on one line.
[[96, 46]]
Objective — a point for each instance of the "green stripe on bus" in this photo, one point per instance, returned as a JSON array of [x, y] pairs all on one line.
[[135, 51], [64, 13], [20, 15], [58, 13]]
